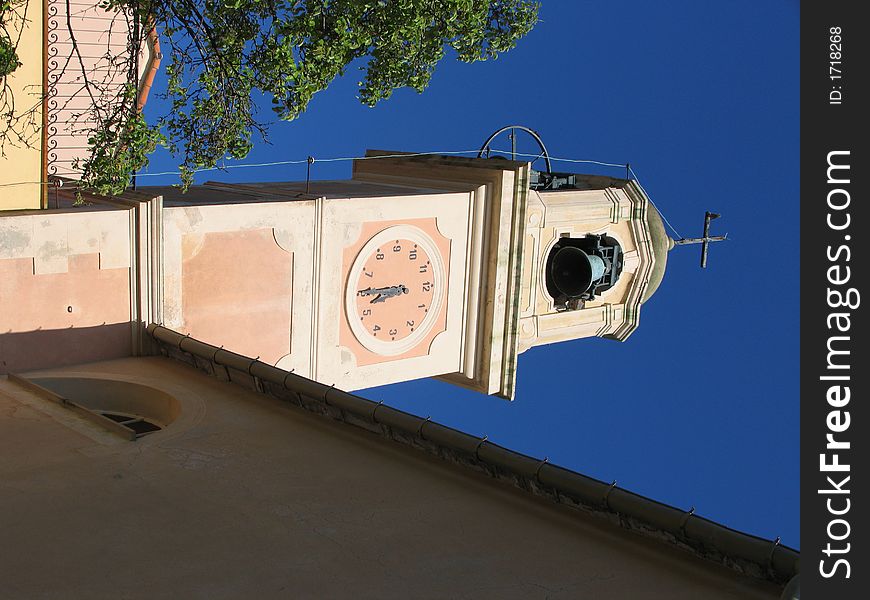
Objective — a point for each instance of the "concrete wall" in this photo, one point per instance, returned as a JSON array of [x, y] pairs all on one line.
[[65, 288], [247, 497]]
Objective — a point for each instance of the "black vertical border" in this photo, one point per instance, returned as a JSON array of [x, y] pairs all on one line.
[[828, 127]]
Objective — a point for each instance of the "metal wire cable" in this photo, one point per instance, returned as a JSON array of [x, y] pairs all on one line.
[[604, 164], [403, 155], [664, 218], [304, 161], [269, 164], [568, 160], [26, 183]]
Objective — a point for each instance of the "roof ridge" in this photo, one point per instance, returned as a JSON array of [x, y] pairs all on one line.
[[742, 552]]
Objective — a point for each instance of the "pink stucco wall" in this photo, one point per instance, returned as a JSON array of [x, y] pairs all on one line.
[[62, 318], [64, 288], [236, 291], [404, 310]]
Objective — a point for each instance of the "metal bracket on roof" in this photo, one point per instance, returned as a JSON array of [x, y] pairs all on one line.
[[479, 444], [341, 412], [295, 391], [374, 410], [190, 354], [284, 382], [685, 520], [538, 470], [772, 551], [181, 341], [215, 363], [326, 393], [420, 428], [607, 495], [258, 384]]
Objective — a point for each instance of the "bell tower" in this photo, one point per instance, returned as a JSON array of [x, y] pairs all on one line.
[[598, 251], [551, 257], [418, 266]]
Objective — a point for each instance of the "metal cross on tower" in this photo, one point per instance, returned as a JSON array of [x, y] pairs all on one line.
[[705, 240]]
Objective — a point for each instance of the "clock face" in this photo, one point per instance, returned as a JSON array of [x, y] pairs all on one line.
[[394, 290]]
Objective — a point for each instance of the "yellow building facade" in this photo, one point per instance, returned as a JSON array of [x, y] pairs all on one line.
[[21, 159]]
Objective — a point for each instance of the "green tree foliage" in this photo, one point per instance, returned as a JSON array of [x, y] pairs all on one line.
[[8, 56], [20, 124], [224, 53]]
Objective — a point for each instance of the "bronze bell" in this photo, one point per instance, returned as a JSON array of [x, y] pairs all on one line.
[[573, 272]]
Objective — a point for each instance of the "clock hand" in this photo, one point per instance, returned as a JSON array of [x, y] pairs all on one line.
[[382, 293]]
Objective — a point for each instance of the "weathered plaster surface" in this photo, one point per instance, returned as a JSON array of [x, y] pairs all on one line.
[[240, 275], [64, 288], [237, 290], [245, 497]]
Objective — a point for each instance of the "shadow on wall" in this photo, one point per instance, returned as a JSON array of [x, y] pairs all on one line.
[[44, 349]]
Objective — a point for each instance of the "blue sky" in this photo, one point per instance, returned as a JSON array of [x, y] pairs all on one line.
[[700, 407]]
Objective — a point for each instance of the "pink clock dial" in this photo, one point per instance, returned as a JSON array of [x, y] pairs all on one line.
[[395, 289]]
